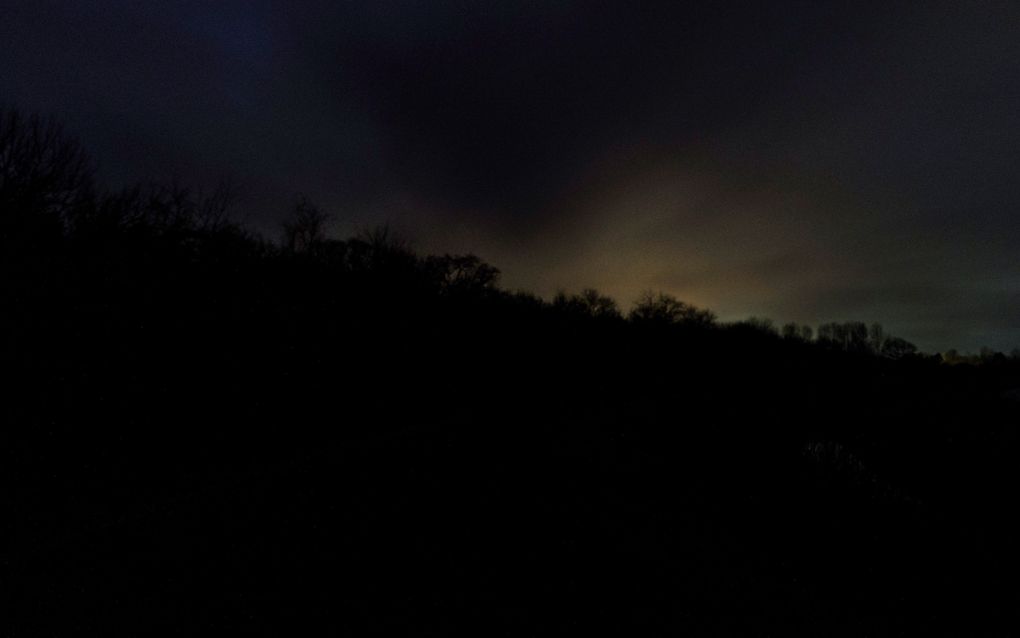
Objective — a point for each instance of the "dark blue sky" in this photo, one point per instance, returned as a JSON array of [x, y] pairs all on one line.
[[805, 161]]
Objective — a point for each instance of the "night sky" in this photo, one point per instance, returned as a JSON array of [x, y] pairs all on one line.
[[807, 162]]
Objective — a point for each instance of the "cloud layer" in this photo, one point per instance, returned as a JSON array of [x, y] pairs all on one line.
[[806, 161]]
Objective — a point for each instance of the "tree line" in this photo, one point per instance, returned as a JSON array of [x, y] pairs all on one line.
[[50, 201]]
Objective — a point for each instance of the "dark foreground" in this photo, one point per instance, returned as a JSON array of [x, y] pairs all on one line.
[[206, 433], [376, 466]]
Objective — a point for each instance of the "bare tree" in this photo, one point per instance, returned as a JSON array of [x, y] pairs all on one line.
[[44, 174], [213, 208], [597, 304], [305, 228], [458, 274], [590, 303], [666, 309], [876, 337], [761, 324]]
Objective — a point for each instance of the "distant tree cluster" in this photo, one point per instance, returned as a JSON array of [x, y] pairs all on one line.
[[849, 336], [984, 356], [792, 331], [856, 336]]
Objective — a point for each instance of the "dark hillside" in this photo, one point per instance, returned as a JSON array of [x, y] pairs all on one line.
[[207, 431]]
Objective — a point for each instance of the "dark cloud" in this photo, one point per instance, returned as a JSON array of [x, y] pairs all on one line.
[[811, 161]]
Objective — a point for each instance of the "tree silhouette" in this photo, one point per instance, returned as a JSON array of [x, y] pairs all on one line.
[[598, 305], [876, 337], [461, 274], [306, 227], [849, 336], [45, 174], [589, 303], [759, 324], [790, 331], [897, 348], [794, 332], [663, 308]]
